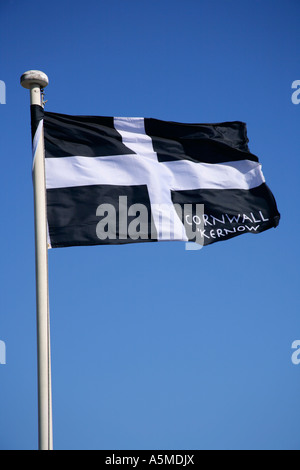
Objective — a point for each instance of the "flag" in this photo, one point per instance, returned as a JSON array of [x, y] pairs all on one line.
[[116, 180]]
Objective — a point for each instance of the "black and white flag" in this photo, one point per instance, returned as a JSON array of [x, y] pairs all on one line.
[[127, 180]]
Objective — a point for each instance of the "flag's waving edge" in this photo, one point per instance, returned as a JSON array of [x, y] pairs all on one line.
[[128, 180]]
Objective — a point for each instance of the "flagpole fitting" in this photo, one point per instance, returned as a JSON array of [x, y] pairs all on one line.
[[33, 78]]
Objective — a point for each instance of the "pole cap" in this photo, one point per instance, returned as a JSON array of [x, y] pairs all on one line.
[[34, 77]]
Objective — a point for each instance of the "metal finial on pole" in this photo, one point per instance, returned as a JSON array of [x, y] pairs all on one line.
[[35, 81], [34, 77]]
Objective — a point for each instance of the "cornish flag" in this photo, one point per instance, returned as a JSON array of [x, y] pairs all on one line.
[[115, 180]]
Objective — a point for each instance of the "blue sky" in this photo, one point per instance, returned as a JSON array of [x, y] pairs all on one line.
[[153, 346]]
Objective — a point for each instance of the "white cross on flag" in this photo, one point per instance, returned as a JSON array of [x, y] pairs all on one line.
[[127, 180]]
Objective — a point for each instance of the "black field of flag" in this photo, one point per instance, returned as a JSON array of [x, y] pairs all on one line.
[[128, 180]]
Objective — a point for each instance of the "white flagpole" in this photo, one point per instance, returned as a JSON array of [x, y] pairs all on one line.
[[35, 80]]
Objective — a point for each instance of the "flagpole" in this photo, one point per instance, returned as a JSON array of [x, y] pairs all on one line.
[[35, 81]]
